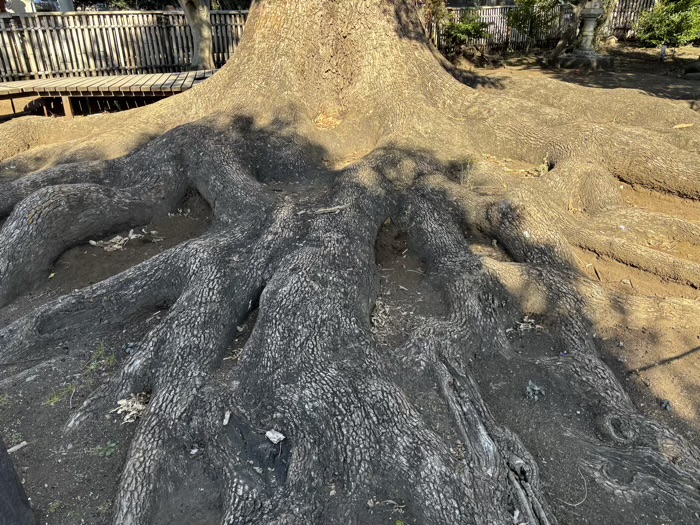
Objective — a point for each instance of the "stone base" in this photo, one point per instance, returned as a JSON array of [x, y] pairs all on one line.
[[586, 62]]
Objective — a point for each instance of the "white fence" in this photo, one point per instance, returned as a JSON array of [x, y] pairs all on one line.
[[44, 45]]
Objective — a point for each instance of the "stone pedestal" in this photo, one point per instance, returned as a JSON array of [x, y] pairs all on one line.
[[585, 56]]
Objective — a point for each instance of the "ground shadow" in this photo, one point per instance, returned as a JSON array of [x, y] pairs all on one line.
[[635, 68], [545, 425]]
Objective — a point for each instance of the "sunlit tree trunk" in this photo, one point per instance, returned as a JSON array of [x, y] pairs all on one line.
[[199, 20]]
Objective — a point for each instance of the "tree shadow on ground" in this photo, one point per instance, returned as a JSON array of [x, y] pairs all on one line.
[[553, 427], [636, 70]]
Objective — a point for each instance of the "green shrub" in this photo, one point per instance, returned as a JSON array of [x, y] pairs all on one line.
[[671, 23], [531, 17], [457, 34], [435, 12]]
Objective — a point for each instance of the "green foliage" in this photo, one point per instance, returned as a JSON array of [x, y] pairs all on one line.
[[457, 34], [435, 12], [675, 23], [101, 360], [107, 450], [531, 17], [61, 394]]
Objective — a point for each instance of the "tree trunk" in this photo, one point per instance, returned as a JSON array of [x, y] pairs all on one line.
[[605, 24], [334, 131], [568, 37], [199, 20]]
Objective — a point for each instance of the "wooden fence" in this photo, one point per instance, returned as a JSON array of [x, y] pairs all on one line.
[[626, 15], [502, 36], [46, 45]]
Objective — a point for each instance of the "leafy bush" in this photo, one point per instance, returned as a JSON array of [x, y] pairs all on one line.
[[531, 17], [457, 34], [675, 23], [435, 12]]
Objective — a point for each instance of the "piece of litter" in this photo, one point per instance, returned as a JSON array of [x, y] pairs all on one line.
[[533, 391], [132, 408], [683, 126], [227, 416], [17, 447], [666, 405], [194, 452], [51, 276], [118, 242], [275, 436]]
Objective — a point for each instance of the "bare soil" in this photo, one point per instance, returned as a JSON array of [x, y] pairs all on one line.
[[71, 479]]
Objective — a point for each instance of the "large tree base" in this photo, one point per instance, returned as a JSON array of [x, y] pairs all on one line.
[[388, 388]]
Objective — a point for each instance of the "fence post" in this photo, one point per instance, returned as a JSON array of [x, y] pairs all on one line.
[[165, 40]]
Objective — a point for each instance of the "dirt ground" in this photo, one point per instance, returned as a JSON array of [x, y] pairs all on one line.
[[657, 366], [71, 478]]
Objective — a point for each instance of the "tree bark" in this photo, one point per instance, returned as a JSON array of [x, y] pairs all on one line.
[[332, 124], [605, 29], [199, 20]]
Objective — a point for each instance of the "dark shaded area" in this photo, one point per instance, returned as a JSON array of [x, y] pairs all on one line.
[[14, 506], [84, 265], [633, 70], [668, 360], [295, 170]]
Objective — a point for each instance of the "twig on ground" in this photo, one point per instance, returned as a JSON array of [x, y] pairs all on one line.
[[585, 487], [17, 447], [334, 209]]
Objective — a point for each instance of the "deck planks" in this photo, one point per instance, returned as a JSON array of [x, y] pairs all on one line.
[[106, 86]]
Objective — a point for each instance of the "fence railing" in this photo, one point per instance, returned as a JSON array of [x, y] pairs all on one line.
[[46, 45], [626, 15], [504, 37]]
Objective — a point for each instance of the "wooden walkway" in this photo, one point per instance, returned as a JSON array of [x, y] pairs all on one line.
[[155, 84]]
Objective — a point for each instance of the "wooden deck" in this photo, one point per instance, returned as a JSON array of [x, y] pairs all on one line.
[[156, 84]]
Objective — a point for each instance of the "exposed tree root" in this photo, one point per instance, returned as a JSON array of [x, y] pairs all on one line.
[[299, 188]]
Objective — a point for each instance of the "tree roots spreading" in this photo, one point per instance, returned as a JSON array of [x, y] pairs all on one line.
[[496, 193]]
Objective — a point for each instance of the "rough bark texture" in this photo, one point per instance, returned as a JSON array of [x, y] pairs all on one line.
[[332, 117], [197, 14]]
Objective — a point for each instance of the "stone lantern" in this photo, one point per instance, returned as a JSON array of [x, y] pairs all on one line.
[[584, 55]]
